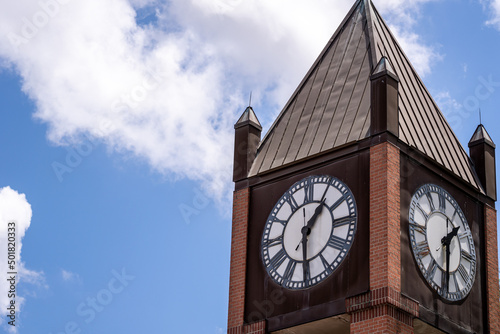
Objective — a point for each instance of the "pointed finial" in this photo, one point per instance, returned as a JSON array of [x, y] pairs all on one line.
[[250, 101], [480, 118]]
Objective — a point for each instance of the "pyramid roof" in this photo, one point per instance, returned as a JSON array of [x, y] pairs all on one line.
[[331, 107]]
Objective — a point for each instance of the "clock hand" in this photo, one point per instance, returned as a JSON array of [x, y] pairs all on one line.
[[446, 241], [305, 266], [447, 267], [318, 210], [304, 225], [312, 220]]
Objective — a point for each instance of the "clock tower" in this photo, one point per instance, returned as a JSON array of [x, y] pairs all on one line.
[[359, 211]]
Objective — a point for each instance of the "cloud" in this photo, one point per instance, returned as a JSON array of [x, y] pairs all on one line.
[[15, 219], [422, 56], [402, 17], [68, 276], [452, 110], [164, 82], [494, 7]]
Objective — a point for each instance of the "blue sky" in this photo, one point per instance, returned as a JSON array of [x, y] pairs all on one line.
[[116, 124]]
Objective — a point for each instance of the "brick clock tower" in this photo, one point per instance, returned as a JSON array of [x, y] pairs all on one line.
[[359, 211]]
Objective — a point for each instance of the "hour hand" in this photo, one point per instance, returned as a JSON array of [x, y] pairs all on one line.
[[318, 210], [446, 240]]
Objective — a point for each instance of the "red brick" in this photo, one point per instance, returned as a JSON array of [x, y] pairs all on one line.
[[492, 293], [241, 200], [385, 261]]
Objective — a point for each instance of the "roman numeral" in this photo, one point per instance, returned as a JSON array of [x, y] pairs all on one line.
[[463, 273], [308, 192], [279, 221], [442, 202], [467, 256], [325, 263], [274, 242], [457, 287], [290, 269], [342, 221], [422, 248], [292, 202], [278, 259], [336, 242], [419, 228], [328, 182], [431, 271], [431, 201], [337, 204], [422, 211]]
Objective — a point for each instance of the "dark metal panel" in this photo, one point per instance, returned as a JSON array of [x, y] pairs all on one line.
[[334, 85], [353, 111], [308, 112], [358, 130], [294, 122], [347, 79], [403, 130], [276, 142], [321, 102], [259, 159], [438, 127], [367, 125]]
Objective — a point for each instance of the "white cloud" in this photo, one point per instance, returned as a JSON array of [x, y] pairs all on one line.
[[69, 276], [494, 8], [400, 11], [452, 110], [169, 91], [402, 17], [15, 218], [422, 56]]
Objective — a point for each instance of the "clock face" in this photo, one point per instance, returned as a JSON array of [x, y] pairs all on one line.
[[309, 232], [442, 242]]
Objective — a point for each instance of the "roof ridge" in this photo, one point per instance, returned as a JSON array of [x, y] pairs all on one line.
[[371, 32]]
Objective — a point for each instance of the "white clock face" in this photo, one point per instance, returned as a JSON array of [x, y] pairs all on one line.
[[309, 232], [442, 242]]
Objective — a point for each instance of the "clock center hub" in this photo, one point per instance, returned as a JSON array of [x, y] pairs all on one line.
[[318, 235]]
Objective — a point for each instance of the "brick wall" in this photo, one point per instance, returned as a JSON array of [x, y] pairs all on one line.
[[492, 293], [381, 325], [238, 261], [255, 328], [385, 234]]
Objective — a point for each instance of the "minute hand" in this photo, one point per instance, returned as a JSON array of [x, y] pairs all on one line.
[[317, 212]]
